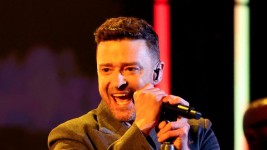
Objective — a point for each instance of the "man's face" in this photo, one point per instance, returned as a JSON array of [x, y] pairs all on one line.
[[123, 67]]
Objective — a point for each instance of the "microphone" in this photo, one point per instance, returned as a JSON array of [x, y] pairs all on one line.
[[171, 112]]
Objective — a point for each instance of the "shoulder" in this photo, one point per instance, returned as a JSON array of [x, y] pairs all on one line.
[[88, 119], [200, 128], [74, 128], [201, 135], [200, 123]]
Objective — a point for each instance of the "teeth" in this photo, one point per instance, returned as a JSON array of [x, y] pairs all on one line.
[[123, 102], [121, 99], [118, 95]]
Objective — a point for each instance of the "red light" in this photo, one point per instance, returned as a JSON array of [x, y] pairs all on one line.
[[162, 27]]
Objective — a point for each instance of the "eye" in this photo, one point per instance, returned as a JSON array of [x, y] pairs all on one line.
[[131, 70], [105, 70]]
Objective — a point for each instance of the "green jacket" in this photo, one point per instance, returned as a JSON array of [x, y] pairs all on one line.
[[98, 130]]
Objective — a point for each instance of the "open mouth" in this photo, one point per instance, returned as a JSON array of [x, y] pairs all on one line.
[[122, 98]]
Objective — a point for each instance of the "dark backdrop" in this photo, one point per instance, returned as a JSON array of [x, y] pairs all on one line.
[[258, 49], [48, 73], [202, 61]]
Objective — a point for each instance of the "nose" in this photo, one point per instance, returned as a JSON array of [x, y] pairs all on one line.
[[119, 81]]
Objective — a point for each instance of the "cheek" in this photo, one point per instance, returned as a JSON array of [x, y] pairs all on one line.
[[140, 81], [102, 85]]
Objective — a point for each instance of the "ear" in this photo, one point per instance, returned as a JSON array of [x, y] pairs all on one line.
[[158, 73], [251, 137]]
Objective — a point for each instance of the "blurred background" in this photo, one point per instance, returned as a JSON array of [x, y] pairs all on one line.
[[48, 72]]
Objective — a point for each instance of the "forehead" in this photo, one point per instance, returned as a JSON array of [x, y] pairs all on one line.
[[123, 51], [256, 115]]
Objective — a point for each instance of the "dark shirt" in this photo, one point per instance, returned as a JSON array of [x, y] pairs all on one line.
[[99, 130]]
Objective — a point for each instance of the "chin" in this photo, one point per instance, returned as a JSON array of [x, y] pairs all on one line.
[[121, 115]]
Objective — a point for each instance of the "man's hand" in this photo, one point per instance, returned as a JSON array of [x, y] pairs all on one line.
[[147, 103], [177, 130]]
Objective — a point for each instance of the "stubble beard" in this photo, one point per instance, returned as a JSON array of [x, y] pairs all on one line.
[[123, 114]]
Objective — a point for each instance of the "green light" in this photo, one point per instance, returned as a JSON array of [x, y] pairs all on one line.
[[241, 70]]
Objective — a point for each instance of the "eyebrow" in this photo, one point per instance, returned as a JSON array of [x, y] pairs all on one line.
[[123, 64], [106, 65]]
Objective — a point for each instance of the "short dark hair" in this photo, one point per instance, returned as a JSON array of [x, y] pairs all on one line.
[[129, 28]]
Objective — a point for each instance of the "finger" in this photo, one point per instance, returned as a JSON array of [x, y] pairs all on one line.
[[172, 99], [149, 92], [164, 128], [170, 126], [147, 86], [182, 138], [154, 90], [178, 133], [162, 124]]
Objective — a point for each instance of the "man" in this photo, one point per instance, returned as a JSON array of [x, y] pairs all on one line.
[[128, 117], [255, 124]]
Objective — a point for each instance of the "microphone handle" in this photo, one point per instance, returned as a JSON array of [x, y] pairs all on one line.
[[171, 112]]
